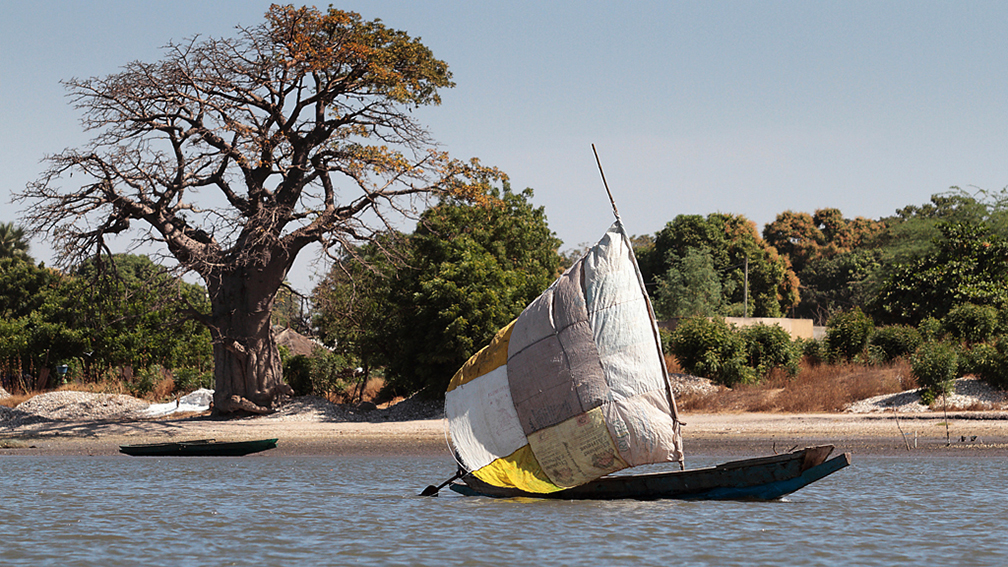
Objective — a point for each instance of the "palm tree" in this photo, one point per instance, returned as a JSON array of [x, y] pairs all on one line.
[[12, 241]]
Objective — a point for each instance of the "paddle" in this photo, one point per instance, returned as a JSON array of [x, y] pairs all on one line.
[[433, 490]]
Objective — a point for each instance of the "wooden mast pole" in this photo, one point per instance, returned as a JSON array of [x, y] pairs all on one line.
[[673, 409], [606, 185]]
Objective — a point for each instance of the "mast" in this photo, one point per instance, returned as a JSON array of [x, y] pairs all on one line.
[[673, 409]]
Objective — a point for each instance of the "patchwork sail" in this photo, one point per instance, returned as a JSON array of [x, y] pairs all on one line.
[[573, 389]]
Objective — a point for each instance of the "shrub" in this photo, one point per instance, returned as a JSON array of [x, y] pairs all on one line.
[[930, 329], [848, 333], [712, 349], [987, 361], [145, 380], [895, 341], [971, 323], [815, 352], [331, 372], [297, 372], [322, 373], [188, 379], [935, 365], [769, 347]]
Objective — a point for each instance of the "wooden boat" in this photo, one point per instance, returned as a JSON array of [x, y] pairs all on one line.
[[575, 389], [766, 478], [198, 448]]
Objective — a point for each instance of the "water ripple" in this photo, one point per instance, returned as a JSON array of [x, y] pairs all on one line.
[[113, 511]]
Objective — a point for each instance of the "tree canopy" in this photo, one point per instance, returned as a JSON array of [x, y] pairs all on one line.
[[803, 238], [969, 265], [829, 254], [470, 270], [690, 288], [124, 318], [236, 153], [729, 240]]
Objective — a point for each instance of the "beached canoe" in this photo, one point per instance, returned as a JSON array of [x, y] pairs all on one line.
[[765, 478], [198, 448]]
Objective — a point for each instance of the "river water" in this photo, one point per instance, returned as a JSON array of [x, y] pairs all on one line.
[[264, 510]]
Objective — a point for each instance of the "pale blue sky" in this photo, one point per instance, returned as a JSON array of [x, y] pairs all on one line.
[[695, 107]]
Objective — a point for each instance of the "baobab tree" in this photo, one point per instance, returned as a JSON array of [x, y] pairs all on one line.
[[234, 154]]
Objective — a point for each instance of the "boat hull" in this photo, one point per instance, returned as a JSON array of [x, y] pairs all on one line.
[[766, 478], [199, 448]]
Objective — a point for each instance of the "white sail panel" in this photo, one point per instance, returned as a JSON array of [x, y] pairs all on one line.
[[586, 378], [482, 419]]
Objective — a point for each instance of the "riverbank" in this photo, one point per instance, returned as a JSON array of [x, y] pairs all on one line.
[[728, 434]]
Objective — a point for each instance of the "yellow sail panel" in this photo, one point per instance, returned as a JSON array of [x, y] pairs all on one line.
[[487, 359], [518, 470], [578, 450]]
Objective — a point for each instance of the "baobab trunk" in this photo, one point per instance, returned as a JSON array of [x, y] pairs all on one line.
[[247, 371]]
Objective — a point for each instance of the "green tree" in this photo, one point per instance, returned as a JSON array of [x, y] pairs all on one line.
[[911, 233], [895, 341], [237, 153], [838, 283], [472, 269], [691, 287], [353, 305], [969, 264], [729, 240], [39, 327], [848, 333], [132, 318], [769, 347], [936, 366], [971, 323], [126, 317], [13, 243], [713, 349]]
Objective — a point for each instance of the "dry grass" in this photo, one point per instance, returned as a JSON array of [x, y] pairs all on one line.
[[14, 399], [348, 395], [162, 390], [822, 388]]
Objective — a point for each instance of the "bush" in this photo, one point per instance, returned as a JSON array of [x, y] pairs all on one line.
[[297, 372], [769, 347], [930, 329], [895, 341], [712, 349], [971, 323], [331, 372], [936, 366], [322, 373], [144, 381], [189, 379], [815, 352], [848, 333], [987, 361]]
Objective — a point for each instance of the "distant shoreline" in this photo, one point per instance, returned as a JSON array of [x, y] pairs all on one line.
[[972, 434]]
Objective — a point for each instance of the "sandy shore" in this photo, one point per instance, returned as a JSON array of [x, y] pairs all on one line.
[[729, 434]]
